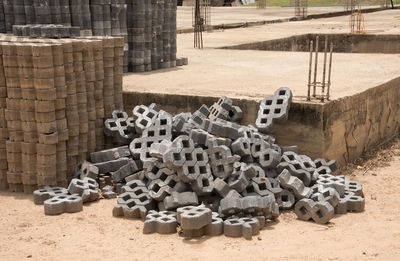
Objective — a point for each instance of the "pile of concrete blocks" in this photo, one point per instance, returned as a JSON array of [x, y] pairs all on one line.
[[53, 106], [204, 174]]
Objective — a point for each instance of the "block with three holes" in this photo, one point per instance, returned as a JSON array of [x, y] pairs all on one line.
[[336, 182], [40, 195], [63, 204], [134, 204], [163, 222]]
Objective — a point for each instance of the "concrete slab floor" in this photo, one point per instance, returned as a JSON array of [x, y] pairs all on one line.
[[255, 74], [227, 15], [382, 22]]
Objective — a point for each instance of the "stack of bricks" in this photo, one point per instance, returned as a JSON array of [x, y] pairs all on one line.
[[12, 115], [60, 112], [107, 17], [96, 11], [29, 11], [3, 126], [2, 18], [45, 114], [98, 92], [147, 35], [42, 11], [118, 71], [55, 10], [90, 77], [19, 12], [53, 99], [151, 35], [8, 15], [81, 95], [71, 104], [86, 23], [148, 27], [136, 41], [65, 12], [27, 115], [76, 12]]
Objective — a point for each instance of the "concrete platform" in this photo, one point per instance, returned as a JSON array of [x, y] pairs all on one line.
[[365, 87], [225, 16]]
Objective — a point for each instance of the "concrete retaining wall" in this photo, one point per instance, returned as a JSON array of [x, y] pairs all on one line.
[[343, 43]]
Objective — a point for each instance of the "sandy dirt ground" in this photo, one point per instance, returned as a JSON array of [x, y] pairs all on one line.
[[93, 234]]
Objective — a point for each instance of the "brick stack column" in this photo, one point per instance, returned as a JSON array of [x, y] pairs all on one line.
[[147, 35], [8, 15], [15, 133], [118, 71], [65, 12], [3, 125], [96, 10], [29, 12], [60, 110], [98, 93], [107, 17], [90, 77], [42, 11], [81, 94], [45, 114], [71, 104], [27, 114]]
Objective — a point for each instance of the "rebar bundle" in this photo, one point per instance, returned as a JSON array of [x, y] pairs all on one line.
[[261, 4], [300, 8], [325, 84]]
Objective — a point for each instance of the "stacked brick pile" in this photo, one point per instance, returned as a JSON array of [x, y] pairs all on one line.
[[53, 100], [149, 27], [151, 35]]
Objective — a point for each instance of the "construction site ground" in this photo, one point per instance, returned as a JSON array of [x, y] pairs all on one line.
[[94, 234], [255, 74]]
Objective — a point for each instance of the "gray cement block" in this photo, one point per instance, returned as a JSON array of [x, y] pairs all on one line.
[[163, 222], [62, 204], [40, 195]]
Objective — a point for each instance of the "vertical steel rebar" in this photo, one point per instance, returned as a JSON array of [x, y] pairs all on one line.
[[329, 72], [309, 72], [324, 71], [316, 65]]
